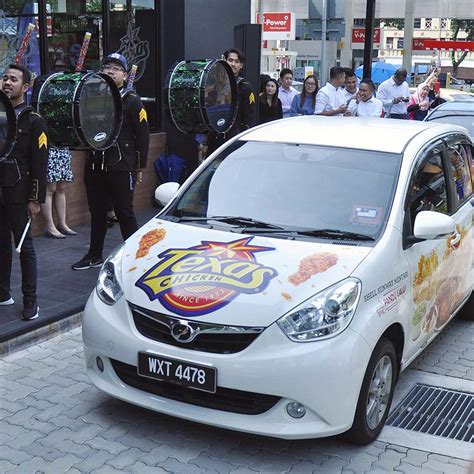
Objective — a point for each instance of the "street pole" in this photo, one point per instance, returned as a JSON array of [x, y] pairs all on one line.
[[369, 38], [408, 36], [346, 52], [324, 27]]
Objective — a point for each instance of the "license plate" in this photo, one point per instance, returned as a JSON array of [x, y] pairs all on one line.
[[179, 372]]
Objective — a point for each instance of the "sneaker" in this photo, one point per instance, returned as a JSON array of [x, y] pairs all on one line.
[[6, 301], [30, 311], [86, 262]]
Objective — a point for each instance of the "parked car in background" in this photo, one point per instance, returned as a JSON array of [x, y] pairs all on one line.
[[291, 278], [298, 86], [456, 113], [454, 95]]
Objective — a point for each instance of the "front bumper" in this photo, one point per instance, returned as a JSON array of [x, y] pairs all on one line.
[[324, 376]]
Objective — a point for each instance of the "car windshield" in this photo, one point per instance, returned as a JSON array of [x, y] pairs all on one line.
[[466, 121], [302, 188]]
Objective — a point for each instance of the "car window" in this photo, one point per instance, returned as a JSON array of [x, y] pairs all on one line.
[[461, 172], [428, 188], [298, 186]]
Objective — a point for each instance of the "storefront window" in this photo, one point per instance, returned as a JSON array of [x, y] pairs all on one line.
[[133, 26], [67, 23], [126, 26], [14, 19]]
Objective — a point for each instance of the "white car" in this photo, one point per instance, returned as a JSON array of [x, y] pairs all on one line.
[[292, 277]]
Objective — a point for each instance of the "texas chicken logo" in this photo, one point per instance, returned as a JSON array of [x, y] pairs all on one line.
[[202, 279]]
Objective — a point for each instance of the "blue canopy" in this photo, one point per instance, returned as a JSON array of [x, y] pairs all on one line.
[[380, 71]]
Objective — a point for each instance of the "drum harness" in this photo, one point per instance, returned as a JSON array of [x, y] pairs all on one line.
[[10, 179]]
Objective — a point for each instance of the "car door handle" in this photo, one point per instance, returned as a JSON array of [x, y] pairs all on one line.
[[455, 239]]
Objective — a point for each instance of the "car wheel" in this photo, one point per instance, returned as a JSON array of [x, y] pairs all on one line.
[[375, 395], [467, 311]]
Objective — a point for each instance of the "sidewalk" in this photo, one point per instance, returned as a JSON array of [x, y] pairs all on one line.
[[62, 292]]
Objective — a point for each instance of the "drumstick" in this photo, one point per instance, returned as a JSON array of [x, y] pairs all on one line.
[[82, 54], [24, 43], [27, 226], [131, 76]]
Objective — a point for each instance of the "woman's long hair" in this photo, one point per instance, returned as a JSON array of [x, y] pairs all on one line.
[[263, 97], [313, 95]]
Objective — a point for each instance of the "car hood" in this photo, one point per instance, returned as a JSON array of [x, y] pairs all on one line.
[[224, 277]]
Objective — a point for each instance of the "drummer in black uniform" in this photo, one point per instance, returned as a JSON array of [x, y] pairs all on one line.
[[114, 172], [246, 113], [22, 189]]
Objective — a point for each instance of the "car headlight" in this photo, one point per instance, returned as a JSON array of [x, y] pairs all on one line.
[[324, 315], [109, 287]]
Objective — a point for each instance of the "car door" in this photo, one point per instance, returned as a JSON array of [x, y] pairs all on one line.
[[459, 252], [429, 190]]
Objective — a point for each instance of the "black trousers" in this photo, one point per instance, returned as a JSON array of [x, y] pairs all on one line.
[[101, 186], [13, 218]]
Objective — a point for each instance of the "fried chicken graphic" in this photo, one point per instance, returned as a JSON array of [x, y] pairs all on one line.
[[148, 240], [312, 265]]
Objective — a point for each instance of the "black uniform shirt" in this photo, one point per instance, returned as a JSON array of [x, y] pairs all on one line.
[[24, 171], [131, 150], [246, 115]]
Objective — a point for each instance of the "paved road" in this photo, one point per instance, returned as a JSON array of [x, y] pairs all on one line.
[[53, 420]]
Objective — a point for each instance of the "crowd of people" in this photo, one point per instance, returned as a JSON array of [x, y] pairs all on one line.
[[344, 94]]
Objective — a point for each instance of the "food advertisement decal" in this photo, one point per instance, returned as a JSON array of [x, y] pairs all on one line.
[[440, 283], [201, 279]]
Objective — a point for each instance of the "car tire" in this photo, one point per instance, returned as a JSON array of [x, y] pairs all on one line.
[[467, 311], [375, 395]]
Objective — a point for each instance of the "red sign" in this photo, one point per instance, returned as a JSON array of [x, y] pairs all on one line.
[[358, 35], [419, 43], [276, 22]]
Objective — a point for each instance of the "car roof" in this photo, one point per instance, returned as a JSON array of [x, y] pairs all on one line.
[[374, 134], [466, 108]]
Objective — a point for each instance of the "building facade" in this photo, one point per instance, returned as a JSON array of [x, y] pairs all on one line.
[[126, 26]]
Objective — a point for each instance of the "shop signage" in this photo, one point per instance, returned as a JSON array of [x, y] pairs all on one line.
[[277, 25], [358, 35], [423, 44]]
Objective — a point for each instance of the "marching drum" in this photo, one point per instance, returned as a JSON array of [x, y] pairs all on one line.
[[201, 96], [81, 109], [8, 125]]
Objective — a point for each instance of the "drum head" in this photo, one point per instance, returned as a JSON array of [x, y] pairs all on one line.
[[201, 96], [100, 111], [8, 124], [220, 97]]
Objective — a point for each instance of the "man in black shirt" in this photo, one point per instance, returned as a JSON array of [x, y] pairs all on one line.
[[115, 172], [22, 189], [246, 113]]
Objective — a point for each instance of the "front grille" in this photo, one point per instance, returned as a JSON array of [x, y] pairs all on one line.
[[214, 338], [436, 411], [225, 399]]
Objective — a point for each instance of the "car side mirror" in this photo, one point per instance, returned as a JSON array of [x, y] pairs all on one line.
[[165, 192], [430, 225]]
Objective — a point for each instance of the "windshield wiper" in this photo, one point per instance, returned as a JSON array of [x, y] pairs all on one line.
[[235, 220], [325, 233], [336, 234]]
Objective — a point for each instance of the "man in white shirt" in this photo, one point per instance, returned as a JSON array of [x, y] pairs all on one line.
[[365, 104], [330, 98], [286, 92], [394, 94], [350, 85]]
